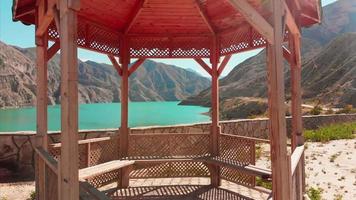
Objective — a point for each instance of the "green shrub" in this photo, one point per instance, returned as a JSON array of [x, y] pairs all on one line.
[[314, 194], [316, 110], [32, 196], [331, 132], [262, 183]]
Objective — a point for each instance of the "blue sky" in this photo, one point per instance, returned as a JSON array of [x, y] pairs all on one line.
[[15, 33]]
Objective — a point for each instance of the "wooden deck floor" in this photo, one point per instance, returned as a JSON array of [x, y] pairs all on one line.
[[182, 188]]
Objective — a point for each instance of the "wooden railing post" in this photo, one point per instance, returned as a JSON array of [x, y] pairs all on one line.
[[276, 98], [124, 129], [41, 104], [297, 126], [215, 129], [68, 174]]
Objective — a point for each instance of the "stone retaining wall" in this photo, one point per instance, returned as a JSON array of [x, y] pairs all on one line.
[[17, 155]]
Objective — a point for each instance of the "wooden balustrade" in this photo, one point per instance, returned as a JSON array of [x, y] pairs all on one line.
[[296, 172], [87, 191]]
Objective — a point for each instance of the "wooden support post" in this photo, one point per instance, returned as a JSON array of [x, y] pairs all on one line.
[[297, 124], [124, 129], [277, 124], [41, 104], [215, 129], [68, 174]]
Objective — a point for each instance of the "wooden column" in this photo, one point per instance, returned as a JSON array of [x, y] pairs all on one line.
[[68, 174], [297, 124], [124, 129], [41, 103], [215, 129], [276, 106]]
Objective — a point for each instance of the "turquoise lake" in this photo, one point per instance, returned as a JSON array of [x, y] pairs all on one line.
[[107, 115]]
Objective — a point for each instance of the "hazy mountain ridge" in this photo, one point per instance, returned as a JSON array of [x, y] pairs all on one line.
[[327, 46], [98, 82]]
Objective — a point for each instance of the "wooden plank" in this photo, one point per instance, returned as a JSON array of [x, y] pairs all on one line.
[[248, 169], [47, 158], [115, 64], [103, 168], [276, 98], [205, 17], [204, 65], [53, 50], [223, 64], [247, 138], [137, 64], [296, 157], [69, 182], [86, 141], [254, 18]]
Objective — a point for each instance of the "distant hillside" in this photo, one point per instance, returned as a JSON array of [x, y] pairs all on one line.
[[328, 63], [97, 82]]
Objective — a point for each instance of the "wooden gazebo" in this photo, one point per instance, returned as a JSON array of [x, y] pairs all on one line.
[[141, 29]]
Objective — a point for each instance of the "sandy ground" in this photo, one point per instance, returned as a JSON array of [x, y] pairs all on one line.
[[16, 191], [330, 166]]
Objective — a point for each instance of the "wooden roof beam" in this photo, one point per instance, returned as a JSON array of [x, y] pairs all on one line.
[[205, 17], [289, 19], [204, 65], [116, 65], [134, 15], [134, 66], [258, 22], [53, 50], [223, 64], [47, 19]]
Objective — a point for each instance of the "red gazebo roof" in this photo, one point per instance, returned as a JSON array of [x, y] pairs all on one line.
[[166, 28]]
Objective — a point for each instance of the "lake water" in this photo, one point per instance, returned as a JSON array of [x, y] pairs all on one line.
[[99, 116]]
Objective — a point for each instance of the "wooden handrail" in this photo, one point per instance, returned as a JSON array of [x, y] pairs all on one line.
[[86, 141], [48, 159], [92, 191], [246, 137], [295, 157], [166, 134]]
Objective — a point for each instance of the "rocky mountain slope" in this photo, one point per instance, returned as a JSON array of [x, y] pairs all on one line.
[[97, 82], [328, 63]]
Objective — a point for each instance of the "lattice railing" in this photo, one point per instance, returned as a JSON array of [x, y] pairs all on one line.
[[93, 152], [237, 151], [174, 145]]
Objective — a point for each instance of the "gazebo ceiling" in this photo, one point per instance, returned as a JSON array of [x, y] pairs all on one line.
[[166, 28]]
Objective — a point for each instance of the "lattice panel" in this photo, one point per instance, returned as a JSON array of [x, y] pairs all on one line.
[[237, 151], [105, 179], [145, 146], [234, 42], [103, 151], [257, 39], [172, 169], [163, 47], [93, 37]]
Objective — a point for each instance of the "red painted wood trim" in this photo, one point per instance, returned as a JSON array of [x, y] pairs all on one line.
[[133, 15], [205, 17], [204, 65], [137, 64], [223, 64], [53, 50], [115, 64]]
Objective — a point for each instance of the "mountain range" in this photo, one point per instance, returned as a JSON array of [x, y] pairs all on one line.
[[328, 69], [153, 81]]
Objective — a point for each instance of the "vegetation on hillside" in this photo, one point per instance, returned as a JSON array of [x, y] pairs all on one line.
[[332, 132]]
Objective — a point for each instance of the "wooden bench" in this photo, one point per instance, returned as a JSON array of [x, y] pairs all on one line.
[[248, 169], [103, 168]]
